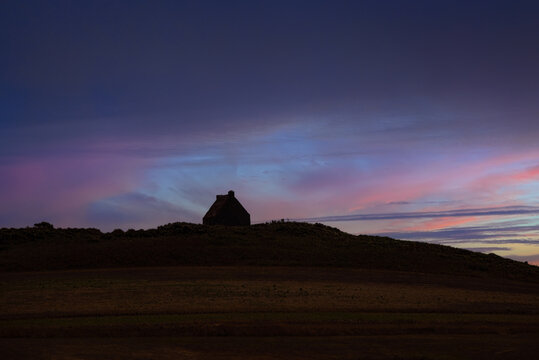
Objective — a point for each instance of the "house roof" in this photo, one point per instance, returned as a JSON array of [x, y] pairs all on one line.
[[222, 202], [217, 206]]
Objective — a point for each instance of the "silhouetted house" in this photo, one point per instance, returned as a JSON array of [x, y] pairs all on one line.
[[227, 210]]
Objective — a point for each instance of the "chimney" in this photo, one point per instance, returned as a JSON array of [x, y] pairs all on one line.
[[231, 193]]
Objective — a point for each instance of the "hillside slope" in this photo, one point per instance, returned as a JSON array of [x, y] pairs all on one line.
[[43, 247]]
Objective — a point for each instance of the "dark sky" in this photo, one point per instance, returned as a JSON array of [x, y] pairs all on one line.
[[136, 113]]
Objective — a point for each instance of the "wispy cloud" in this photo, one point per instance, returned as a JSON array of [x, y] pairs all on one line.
[[492, 211], [486, 249], [489, 237], [132, 209]]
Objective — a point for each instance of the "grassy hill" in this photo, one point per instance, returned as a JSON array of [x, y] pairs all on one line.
[[270, 291], [43, 247]]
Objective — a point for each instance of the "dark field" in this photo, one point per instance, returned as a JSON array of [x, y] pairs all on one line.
[[449, 346], [269, 291], [265, 313]]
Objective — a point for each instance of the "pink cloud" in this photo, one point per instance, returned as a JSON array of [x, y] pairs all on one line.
[[59, 188], [527, 175], [506, 180], [477, 179], [440, 223], [393, 190]]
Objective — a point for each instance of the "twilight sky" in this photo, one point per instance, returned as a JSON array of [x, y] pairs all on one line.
[[413, 119]]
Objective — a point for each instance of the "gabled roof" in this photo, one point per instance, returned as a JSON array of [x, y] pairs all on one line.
[[218, 206], [227, 210]]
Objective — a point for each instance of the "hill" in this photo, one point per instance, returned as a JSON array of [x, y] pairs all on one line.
[[44, 247], [270, 291]]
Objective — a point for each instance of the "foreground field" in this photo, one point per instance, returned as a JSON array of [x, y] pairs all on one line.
[[425, 346], [264, 313]]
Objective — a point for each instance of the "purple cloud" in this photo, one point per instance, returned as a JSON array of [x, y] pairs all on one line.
[[507, 210], [132, 209]]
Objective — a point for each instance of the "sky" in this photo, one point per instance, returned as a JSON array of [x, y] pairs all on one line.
[[417, 120]]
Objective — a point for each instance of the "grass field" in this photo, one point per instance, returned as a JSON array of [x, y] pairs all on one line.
[[265, 313]]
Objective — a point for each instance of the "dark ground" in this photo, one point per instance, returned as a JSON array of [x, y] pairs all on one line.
[[426, 346], [265, 313], [43, 247], [271, 291]]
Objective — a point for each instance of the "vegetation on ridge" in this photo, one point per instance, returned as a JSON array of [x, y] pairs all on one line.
[[44, 247]]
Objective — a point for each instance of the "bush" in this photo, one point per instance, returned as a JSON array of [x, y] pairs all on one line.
[[44, 225]]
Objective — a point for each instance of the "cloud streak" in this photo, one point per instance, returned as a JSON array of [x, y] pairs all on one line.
[[493, 211], [131, 209]]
